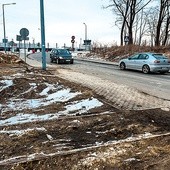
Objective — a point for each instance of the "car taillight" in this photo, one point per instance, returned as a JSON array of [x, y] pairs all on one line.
[[157, 61]]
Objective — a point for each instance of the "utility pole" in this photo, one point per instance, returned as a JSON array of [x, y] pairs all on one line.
[[3, 13], [42, 35]]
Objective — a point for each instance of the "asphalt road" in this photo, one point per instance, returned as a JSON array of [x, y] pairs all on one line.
[[154, 84]]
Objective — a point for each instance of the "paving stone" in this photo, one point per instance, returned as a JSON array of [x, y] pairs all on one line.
[[122, 97]]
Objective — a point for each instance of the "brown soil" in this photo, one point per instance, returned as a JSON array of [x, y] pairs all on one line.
[[102, 138]]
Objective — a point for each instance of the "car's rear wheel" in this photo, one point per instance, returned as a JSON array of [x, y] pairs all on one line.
[[145, 69], [122, 66]]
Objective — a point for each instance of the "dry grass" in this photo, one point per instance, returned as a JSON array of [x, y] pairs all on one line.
[[9, 58], [115, 53]]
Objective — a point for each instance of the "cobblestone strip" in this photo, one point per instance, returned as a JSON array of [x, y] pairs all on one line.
[[122, 97]]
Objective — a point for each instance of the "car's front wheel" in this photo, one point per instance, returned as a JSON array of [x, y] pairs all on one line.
[[72, 61], [145, 69], [58, 61], [122, 66]]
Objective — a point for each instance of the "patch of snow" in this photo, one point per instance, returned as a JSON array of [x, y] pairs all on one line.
[[59, 96], [25, 118], [85, 105], [99, 132], [93, 154], [75, 121], [21, 132], [7, 83], [18, 75], [165, 109], [131, 159], [62, 95], [99, 143], [47, 89], [49, 137], [88, 132], [7, 77], [33, 84]]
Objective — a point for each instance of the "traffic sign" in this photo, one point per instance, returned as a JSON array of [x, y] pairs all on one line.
[[5, 40], [18, 38], [73, 41], [126, 38], [24, 33], [11, 43], [73, 37]]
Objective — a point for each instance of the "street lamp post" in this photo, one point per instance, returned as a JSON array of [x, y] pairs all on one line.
[[42, 34], [3, 13], [85, 35]]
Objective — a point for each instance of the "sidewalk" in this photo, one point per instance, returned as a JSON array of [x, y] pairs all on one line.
[[32, 62], [29, 61]]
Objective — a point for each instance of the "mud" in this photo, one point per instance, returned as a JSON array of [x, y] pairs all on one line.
[[103, 138]]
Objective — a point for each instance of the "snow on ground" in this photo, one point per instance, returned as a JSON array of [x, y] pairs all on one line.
[[58, 94], [21, 132], [113, 151], [5, 84], [93, 157], [80, 107]]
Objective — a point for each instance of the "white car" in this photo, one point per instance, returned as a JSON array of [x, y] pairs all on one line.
[[146, 62]]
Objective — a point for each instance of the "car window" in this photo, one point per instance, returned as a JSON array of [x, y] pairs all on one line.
[[61, 51], [134, 57], [159, 56], [143, 57], [53, 51]]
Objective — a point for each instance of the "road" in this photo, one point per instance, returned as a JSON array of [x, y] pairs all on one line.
[[153, 84]]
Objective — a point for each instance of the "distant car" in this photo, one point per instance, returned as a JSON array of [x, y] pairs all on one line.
[[61, 56], [146, 62]]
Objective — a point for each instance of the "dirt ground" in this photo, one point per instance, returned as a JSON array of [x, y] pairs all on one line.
[[100, 138]]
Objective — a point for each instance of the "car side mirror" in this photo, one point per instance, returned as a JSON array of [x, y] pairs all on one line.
[[129, 58]]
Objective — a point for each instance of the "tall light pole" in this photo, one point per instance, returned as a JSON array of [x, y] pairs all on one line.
[[42, 35], [85, 35], [5, 40]]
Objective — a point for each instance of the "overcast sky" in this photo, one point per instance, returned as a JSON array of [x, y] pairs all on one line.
[[63, 19]]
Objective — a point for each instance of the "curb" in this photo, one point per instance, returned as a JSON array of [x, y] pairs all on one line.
[[97, 61]]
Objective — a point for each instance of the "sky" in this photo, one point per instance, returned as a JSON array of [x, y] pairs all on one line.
[[63, 19]]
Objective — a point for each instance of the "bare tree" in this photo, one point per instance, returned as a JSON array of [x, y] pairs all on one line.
[[120, 8], [140, 27], [126, 11], [151, 18], [162, 15], [167, 23]]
